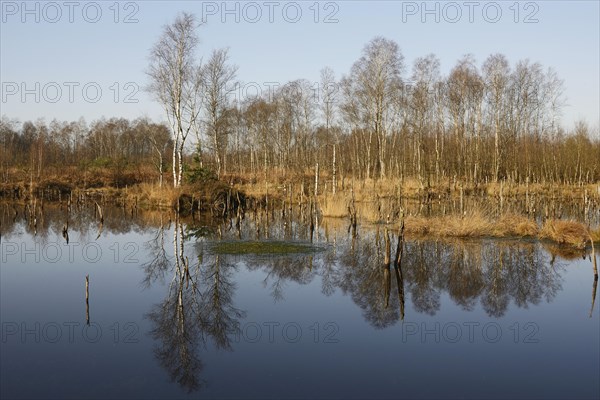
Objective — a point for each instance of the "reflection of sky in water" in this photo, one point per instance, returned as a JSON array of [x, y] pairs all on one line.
[[482, 318]]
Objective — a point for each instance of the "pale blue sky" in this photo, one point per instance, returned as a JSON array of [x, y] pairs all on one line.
[[99, 54]]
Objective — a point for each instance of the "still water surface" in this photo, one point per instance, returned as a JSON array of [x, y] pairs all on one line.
[[169, 316]]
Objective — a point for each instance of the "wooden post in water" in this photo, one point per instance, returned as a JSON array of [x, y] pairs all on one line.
[[312, 225], [527, 195], [267, 222], [291, 198], [238, 218], [386, 269], [87, 299], [585, 207], [462, 205], [65, 231], [266, 193], [352, 214], [594, 258], [399, 247], [334, 183], [257, 222], [398, 265], [316, 180], [101, 225], [100, 212], [386, 256], [595, 285], [501, 196], [594, 288]]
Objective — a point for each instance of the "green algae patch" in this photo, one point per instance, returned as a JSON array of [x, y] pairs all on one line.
[[268, 247]]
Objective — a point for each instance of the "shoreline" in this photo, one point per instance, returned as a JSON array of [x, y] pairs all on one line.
[[535, 211]]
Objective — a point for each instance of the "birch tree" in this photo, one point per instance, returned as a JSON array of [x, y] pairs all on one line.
[[496, 74], [176, 82], [328, 100], [370, 86], [219, 77], [426, 74]]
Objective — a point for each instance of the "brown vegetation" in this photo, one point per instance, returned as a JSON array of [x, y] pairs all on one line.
[[474, 224], [566, 232], [569, 233]]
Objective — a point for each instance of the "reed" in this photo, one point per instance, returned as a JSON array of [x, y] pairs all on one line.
[[334, 206]]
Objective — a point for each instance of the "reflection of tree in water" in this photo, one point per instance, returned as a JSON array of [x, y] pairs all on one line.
[[300, 269], [495, 298], [493, 272], [420, 264], [219, 316], [463, 274], [328, 272], [82, 219], [487, 272], [156, 268], [364, 275], [532, 277], [197, 309], [178, 330]]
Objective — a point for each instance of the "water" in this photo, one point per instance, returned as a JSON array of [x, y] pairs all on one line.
[[166, 317]]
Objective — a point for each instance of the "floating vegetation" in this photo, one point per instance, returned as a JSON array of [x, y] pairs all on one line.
[[270, 247]]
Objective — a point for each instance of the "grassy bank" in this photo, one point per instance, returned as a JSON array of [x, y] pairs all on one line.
[[563, 232]]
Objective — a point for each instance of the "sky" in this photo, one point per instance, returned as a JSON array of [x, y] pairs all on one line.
[[72, 59]]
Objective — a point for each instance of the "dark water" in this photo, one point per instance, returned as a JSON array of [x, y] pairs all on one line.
[[166, 317]]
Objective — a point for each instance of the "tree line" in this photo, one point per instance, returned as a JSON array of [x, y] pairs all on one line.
[[382, 119], [38, 149], [478, 123]]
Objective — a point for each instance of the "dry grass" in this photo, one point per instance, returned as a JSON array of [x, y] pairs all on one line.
[[368, 189], [595, 235], [473, 225], [144, 195], [565, 232], [515, 225], [334, 206], [476, 224], [369, 212], [259, 190], [152, 195]]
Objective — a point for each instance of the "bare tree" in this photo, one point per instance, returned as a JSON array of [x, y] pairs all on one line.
[[496, 73], [158, 137], [465, 95], [426, 74], [304, 107], [219, 77], [176, 82], [373, 79], [328, 100]]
